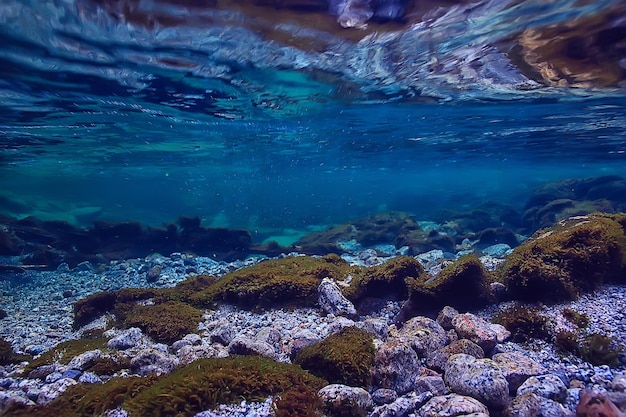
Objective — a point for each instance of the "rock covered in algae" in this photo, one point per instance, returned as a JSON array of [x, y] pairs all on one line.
[[575, 256], [344, 358]]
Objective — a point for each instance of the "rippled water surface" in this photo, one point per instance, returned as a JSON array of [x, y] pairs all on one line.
[[267, 118]]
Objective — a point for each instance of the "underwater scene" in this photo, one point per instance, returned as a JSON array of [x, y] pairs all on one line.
[[313, 208]]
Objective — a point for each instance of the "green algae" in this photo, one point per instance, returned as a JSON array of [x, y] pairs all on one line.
[[199, 386], [290, 281], [598, 349], [386, 279], [462, 284], [166, 322], [524, 323], [580, 320], [575, 256], [342, 358]]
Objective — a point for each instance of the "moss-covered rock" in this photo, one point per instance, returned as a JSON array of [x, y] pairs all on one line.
[[462, 284], [289, 281], [389, 278], [599, 349], [166, 322], [342, 358], [575, 256], [199, 386]]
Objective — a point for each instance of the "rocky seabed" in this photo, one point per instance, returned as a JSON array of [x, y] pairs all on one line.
[[459, 364]]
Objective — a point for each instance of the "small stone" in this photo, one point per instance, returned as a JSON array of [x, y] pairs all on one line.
[[89, 378], [154, 273], [403, 406], [342, 400], [50, 391], [431, 383], [72, 373], [445, 316], [452, 405], [85, 360], [153, 361], [384, 396], [222, 335], [479, 331], [242, 345], [547, 386], [126, 339]]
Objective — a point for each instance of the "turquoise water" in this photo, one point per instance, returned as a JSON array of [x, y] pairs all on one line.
[[106, 118]]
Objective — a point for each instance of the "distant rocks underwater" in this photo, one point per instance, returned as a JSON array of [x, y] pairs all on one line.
[[483, 313]]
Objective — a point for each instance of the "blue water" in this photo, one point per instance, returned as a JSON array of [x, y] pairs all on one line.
[[104, 117]]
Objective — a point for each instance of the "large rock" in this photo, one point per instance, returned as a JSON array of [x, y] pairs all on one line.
[[424, 335], [242, 345], [517, 368], [452, 405], [396, 365], [332, 301], [342, 400], [153, 361], [478, 378]]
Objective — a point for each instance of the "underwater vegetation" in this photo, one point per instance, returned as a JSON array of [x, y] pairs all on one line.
[[7, 355], [345, 358], [65, 351], [462, 284], [575, 256], [199, 386], [524, 323]]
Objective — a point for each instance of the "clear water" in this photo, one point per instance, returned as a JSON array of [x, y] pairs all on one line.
[[209, 114]]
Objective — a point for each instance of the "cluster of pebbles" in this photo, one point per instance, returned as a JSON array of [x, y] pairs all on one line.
[[409, 363]]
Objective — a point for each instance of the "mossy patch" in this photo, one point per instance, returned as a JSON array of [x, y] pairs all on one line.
[[199, 386], [290, 281], [575, 256], [342, 358], [598, 349], [524, 323], [389, 278], [580, 320], [462, 284], [166, 322]]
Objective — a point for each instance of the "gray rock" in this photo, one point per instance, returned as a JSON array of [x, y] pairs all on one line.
[[332, 301], [403, 406], [437, 360], [223, 335], [517, 368], [619, 382], [424, 335], [340, 323], [126, 339], [452, 405], [479, 331], [41, 372], [152, 361], [118, 412], [395, 367], [269, 335], [342, 400], [50, 391], [191, 339], [547, 386], [242, 345], [379, 327], [478, 378], [499, 250], [189, 353], [431, 383], [85, 360], [7, 398], [445, 316], [384, 396], [89, 378]]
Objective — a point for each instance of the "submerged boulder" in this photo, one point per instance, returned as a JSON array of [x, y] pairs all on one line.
[[575, 256]]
